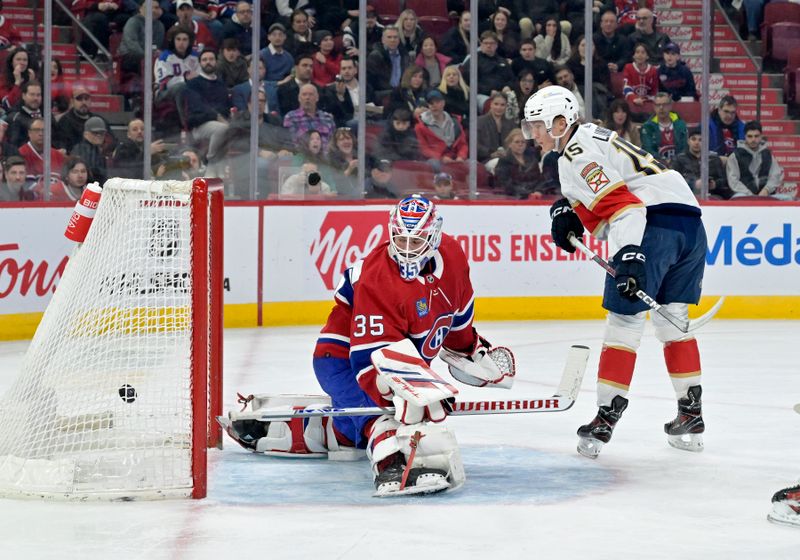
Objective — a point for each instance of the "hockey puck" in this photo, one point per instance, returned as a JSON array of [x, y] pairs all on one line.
[[127, 393]]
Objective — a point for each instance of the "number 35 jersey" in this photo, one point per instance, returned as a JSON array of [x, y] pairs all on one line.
[[375, 307], [612, 183]]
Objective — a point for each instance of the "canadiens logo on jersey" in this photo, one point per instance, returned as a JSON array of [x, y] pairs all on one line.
[[422, 307]]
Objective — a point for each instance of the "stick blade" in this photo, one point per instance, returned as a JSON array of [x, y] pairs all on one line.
[[574, 369], [695, 324]]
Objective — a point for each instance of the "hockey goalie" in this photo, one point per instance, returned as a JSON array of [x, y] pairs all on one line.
[[406, 302]]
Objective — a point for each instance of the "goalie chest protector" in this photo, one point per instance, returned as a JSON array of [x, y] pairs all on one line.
[[375, 307]]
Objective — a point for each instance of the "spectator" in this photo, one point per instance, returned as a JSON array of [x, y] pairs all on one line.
[[128, 156], [309, 148], [493, 129], [552, 44], [627, 11], [33, 150], [664, 135], [97, 19], [307, 182], [6, 149], [326, 59], [410, 94], [646, 34], [751, 168], [240, 27], [456, 94], [527, 60], [343, 160], [432, 60], [59, 90], [411, 33], [9, 35], [308, 117], [90, 149], [131, 48], [507, 38], [397, 141], [455, 41], [75, 177], [524, 87], [203, 39], [675, 77], [208, 108], [443, 187], [274, 146], [600, 74], [754, 11], [176, 64], [232, 68], [299, 40], [612, 47], [374, 30], [517, 172], [277, 60], [287, 8], [688, 165], [19, 121], [725, 128], [379, 183], [565, 78], [532, 15], [386, 63], [440, 136], [639, 81], [619, 120], [16, 186], [17, 73], [340, 99], [241, 93], [494, 72], [288, 92], [68, 131], [208, 12]]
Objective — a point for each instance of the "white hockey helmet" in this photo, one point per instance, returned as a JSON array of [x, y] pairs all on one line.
[[415, 233], [547, 104]]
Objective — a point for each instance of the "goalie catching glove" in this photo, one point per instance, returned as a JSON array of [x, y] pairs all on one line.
[[482, 366]]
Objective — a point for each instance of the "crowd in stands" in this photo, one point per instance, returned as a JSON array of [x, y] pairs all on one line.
[[414, 75]]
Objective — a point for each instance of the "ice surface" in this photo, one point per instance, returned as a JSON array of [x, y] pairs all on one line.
[[528, 493]]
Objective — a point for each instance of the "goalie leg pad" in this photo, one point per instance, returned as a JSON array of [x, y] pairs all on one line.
[[436, 450]]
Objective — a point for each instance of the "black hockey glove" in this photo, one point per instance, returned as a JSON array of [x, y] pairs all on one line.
[[565, 221], [631, 276]]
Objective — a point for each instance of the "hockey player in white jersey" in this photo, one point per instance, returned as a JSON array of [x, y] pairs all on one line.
[[655, 233]]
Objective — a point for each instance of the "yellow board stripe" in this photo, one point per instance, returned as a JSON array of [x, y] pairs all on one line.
[[22, 325]]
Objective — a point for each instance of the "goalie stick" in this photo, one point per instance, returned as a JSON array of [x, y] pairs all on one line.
[[563, 399], [680, 324]]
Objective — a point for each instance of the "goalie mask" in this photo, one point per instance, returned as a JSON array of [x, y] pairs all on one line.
[[415, 232], [547, 104]]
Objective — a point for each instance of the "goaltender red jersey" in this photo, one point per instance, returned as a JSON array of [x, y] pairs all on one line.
[[375, 307]]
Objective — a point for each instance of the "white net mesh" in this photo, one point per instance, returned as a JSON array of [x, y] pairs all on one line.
[[102, 407]]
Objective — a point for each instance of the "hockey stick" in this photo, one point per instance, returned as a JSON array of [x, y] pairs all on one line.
[[563, 398], [680, 324]]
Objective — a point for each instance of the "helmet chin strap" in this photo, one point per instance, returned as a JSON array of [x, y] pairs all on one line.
[[557, 138]]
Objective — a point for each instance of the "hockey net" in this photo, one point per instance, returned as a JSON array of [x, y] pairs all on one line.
[[121, 382]]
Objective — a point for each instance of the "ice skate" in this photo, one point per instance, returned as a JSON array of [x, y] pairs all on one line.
[[595, 434], [685, 432], [786, 507], [420, 480]]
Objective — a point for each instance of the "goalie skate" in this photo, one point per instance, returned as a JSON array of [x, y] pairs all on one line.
[[421, 480], [786, 507], [685, 432]]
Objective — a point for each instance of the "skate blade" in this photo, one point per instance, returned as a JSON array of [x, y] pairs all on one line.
[[425, 485], [780, 519], [687, 442], [590, 447]]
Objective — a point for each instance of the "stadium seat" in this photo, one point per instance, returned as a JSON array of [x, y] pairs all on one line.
[[435, 26], [776, 12], [689, 111], [785, 37], [387, 8], [791, 76], [412, 176], [428, 7], [617, 81]]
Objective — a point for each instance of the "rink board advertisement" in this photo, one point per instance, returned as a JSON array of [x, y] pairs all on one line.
[[298, 252]]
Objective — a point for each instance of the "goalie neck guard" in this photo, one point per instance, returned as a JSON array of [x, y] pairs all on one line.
[[415, 232]]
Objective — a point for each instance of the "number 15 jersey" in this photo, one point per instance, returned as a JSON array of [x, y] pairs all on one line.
[[611, 183]]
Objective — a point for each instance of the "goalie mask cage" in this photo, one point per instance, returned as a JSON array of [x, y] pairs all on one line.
[[119, 388]]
